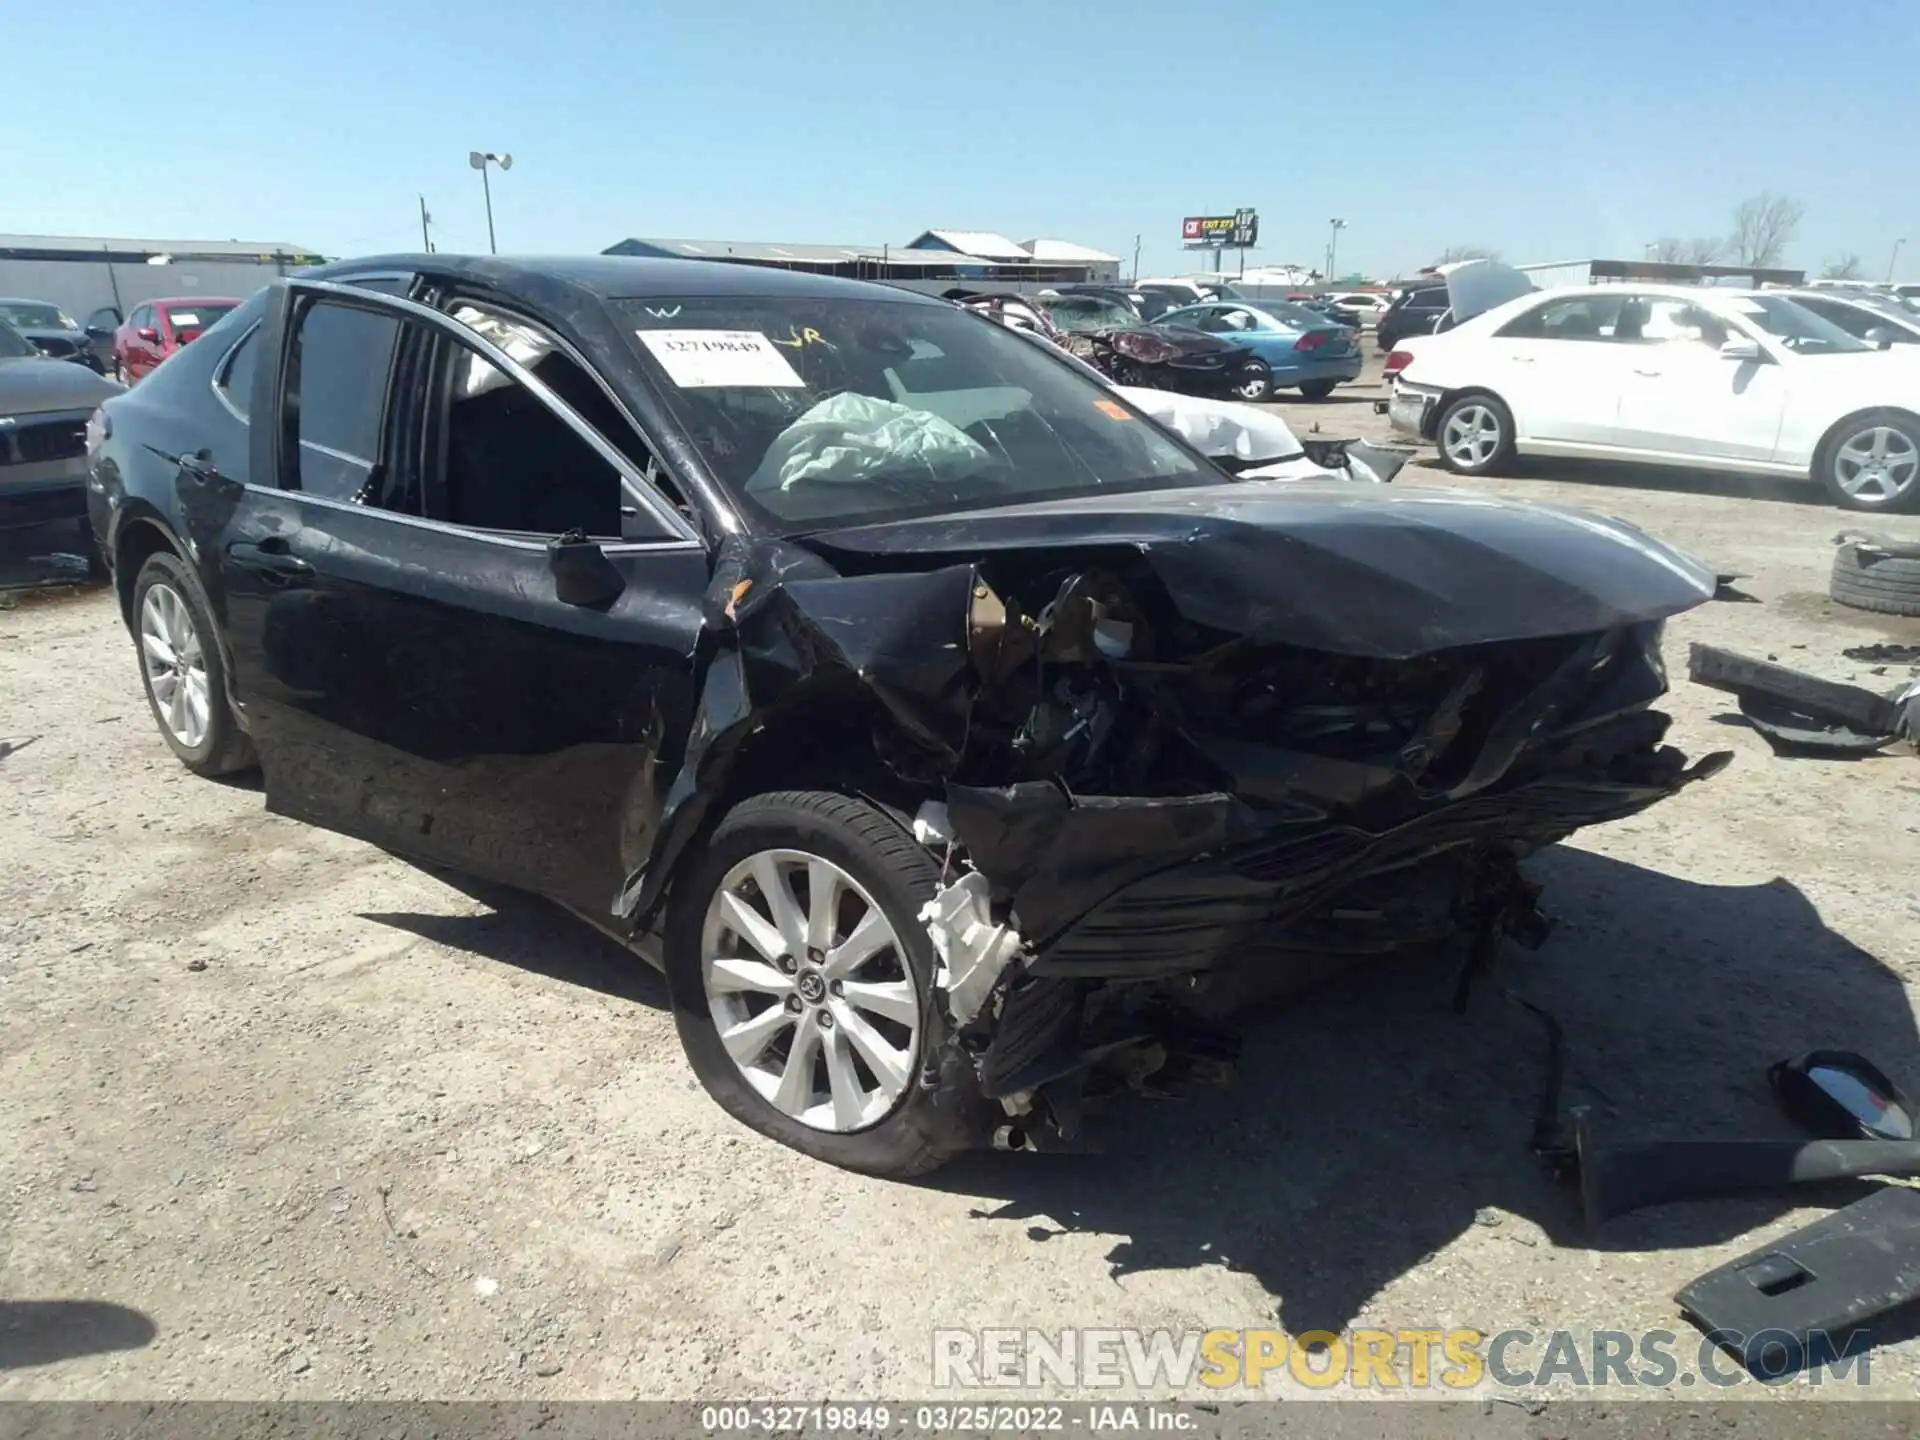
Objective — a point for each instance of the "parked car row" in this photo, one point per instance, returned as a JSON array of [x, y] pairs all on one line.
[[126, 348], [1822, 384]]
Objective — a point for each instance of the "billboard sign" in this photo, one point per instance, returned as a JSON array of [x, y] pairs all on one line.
[[1238, 231]]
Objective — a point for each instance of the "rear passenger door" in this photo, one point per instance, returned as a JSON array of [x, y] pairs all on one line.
[[1560, 370], [409, 668]]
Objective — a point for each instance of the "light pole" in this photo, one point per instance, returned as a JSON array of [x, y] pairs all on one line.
[[1894, 259], [479, 160], [1333, 245]]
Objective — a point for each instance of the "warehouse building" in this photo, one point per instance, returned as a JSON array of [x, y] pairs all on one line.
[[934, 261], [85, 273]]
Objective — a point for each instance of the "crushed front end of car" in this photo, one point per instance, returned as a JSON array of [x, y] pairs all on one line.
[[1177, 749]]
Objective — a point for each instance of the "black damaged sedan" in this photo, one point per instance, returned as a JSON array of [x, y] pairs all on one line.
[[958, 740]]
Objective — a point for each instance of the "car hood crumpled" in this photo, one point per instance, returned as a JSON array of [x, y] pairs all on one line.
[[1333, 567]]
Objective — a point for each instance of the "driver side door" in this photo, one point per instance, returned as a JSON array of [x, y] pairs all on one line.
[[412, 672]]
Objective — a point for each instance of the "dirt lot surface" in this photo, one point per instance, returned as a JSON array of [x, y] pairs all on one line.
[[287, 1117]]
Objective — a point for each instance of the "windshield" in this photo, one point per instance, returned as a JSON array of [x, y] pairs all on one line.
[[13, 345], [1083, 314], [816, 412], [34, 315], [1795, 326], [1295, 317], [197, 316]]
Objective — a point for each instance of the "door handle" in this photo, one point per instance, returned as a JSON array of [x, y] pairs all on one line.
[[1522, 359], [271, 555], [1650, 373]]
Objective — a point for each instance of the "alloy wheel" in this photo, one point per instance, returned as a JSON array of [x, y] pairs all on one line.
[[1472, 436], [810, 990], [1253, 385], [1877, 466], [175, 664]]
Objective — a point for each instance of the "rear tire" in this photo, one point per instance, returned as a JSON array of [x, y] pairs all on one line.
[[201, 727], [1317, 389], [1872, 463], [1475, 435], [892, 1131]]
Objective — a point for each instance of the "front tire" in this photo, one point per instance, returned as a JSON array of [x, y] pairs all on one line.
[[1872, 463], [182, 670], [802, 983], [1475, 435], [1253, 382]]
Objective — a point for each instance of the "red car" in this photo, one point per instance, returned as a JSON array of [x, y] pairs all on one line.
[[157, 328]]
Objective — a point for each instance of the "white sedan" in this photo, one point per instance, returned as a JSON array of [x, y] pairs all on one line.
[[1671, 375]]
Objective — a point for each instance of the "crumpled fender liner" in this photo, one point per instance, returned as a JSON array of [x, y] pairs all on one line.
[[780, 626], [1054, 856]]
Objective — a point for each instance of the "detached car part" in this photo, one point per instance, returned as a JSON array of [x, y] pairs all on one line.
[[1802, 713], [1801, 1299]]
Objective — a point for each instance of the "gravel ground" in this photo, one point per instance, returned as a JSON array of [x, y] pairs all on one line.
[[287, 1117]]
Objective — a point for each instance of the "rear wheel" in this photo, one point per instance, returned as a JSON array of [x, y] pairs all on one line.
[[120, 372], [1475, 435], [181, 669], [802, 981], [1317, 389], [1873, 463]]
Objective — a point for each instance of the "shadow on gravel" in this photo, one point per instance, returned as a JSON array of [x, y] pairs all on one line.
[[39, 1332], [1372, 1126], [531, 934]]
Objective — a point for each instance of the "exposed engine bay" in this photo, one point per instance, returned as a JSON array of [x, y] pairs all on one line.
[[1140, 811]]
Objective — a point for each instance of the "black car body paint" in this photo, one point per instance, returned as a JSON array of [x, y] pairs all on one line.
[[1178, 728]]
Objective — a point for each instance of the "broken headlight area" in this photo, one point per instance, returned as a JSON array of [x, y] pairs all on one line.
[[1149, 818]]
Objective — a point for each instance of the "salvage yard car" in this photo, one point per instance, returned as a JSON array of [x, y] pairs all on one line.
[[1673, 375], [1303, 350], [44, 405], [941, 724]]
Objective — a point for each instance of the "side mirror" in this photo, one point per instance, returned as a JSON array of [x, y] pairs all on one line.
[[1838, 1095], [149, 334], [582, 573], [1740, 349], [1880, 337]]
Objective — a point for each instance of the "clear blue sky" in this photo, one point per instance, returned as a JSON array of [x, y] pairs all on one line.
[[1546, 131]]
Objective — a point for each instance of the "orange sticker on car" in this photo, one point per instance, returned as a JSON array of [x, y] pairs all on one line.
[[1112, 409]]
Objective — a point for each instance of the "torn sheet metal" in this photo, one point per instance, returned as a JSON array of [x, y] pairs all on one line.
[[781, 625], [1352, 570], [973, 951]]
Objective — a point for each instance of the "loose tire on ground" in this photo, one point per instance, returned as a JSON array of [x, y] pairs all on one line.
[[934, 1118], [224, 747], [1883, 580], [1317, 389]]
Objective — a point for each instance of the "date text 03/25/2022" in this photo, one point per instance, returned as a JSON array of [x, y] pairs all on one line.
[[944, 1419]]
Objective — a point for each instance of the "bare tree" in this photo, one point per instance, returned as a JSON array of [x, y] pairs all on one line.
[[1667, 250], [1842, 267], [1466, 252], [1763, 226], [1705, 250]]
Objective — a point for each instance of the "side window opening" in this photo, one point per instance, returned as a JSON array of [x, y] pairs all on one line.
[[235, 380], [507, 462]]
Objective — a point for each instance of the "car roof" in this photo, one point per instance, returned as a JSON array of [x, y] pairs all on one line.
[[25, 300], [619, 277], [169, 303]]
